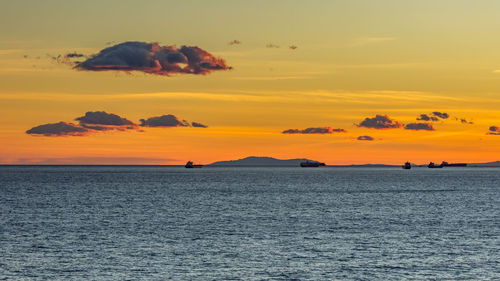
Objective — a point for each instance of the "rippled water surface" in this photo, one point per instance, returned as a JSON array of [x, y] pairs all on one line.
[[118, 223]]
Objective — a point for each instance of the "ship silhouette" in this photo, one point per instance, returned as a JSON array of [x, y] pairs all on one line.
[[446, 164], [307, 164], [190, 165]]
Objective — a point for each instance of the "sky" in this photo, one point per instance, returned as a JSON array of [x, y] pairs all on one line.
[[342, 82]]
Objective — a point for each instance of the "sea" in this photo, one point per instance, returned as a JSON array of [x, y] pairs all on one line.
[[242, 223]]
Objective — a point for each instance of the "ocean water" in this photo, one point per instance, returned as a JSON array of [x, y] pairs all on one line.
[[171, 223]]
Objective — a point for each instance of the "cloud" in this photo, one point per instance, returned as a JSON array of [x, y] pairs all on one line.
[[198, 125], [441, 115], [293, 47], [272, 46], [100, 121], [494, 130], [59, 129], [103, 118], [103, 121], [464, 121], [419, 127], [68, 59], [168, 120], [365, 138], [425, 117], [235, 42], [380, 122], [74, 55], [317, 130], [154, 59]]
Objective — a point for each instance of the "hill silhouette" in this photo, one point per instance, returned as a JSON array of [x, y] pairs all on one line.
[[261, 161]]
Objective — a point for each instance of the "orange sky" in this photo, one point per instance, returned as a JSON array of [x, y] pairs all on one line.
[[353, 61]]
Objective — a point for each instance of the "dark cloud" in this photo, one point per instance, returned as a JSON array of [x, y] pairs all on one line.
[[153, 59], [272, 46], [365, 138], [68, 59], [101, 121], [293, 47], [494, 130], [380, 122], [419, 126], [235, 42], [74, 55], [464, 121], [425, 117], [317, 130], [198, 125], [103, 118], [442, 115], [168, 120], [59, 129]]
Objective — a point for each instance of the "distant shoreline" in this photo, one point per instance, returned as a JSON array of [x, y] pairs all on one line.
[[235, 166]]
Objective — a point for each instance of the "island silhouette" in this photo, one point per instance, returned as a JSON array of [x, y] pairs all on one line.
[[256, 161]]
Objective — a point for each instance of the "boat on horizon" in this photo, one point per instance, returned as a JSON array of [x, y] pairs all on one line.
[[307, 164], [407, 166], [446, 164], [190, 165], [434, 166]]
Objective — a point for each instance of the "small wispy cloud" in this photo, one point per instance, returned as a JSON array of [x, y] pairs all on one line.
[[365, 138], [314, 130], [272, 46], [234, 42]]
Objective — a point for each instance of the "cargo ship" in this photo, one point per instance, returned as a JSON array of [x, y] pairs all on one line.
[[407, 166], [307, 164], [190, 164], [434, 166], [446, 164]]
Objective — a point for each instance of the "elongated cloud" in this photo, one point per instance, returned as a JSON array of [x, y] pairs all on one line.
[[198, 125], [380, 122], [59, 129], [316, 130], [103, 118], [293, 47], [464, 121], [103, 121], [74, 55], [425, 117], [272, 46], [168, 120], [99, 121], [494, 130], [365, 138], [442, 115], [419, 127], [154, 59]]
